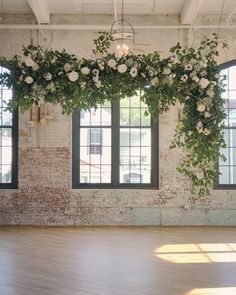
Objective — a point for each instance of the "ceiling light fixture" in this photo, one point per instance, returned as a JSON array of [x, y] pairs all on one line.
[[122, 33]]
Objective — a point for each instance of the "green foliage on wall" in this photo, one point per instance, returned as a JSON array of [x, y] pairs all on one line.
[[188, 76]]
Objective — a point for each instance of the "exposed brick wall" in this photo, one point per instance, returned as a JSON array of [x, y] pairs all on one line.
[[45, 196]]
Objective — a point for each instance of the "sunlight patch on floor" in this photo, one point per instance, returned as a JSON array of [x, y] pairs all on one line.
[[197, 253], [213, 291]]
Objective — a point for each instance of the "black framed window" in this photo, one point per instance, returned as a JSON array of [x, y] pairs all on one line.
[[115, 145], [8, 140], [227, 169]]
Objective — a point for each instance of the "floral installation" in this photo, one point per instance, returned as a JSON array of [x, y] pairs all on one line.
[[188, 76]]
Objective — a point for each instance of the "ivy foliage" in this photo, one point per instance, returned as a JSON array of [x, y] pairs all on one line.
[[188, 76]]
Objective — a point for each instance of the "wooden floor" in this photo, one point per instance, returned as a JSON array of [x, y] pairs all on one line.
[[117, 261]]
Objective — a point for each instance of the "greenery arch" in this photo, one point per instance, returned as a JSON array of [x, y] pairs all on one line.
[[188, 76]]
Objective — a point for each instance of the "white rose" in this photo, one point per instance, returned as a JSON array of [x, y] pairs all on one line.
[[96, 72], [203, 64], [51, 86], [210, 92], [95, 79], [101, 67], [201, 107], [151, 73], [193, 61], [122, 68], [199, 127], [28, 61], [188, 67], [174, 59], [133, 72], [85, 70], [48, 76], [67, 67], [154, 81], [207, 115], [98, 83], [195, 79], [184, 78], [112, 64], [29, 80], [166, 71], [35, 67], [203, 83], [206, 131], [73, 76], [82, 85]]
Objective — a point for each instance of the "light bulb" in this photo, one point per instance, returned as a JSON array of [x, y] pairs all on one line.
[[122, 49]]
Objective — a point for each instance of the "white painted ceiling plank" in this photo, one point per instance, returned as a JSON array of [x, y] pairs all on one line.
[[40, 10], [189, 11]]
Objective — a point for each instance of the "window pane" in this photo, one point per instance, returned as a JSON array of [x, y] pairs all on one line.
[[95, 173], [106, 155], [6, 155], [232, 77], [6, 97], [6, 118], [125, 102], [233, 175], [135, 157], [224, 175], [145, 155], [232, 156], [135, 176], [6, 136], [124, 155], [135, 101], [106, 136], [84, 136], [233, 137], [84, 155], [124, 137], [105, 174], [135, 137], [84, 118], [135, 117], [232, 117], [124, 116], [84, 174], [6, 174], [106, 117], [146, 137], [146, 173], [225, 152], [96, 117], [145, 119], [124, 174]]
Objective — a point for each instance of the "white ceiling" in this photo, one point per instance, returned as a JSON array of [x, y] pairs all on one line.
[[186, 8]]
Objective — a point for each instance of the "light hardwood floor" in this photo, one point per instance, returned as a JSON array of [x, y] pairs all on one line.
[[117, 261]]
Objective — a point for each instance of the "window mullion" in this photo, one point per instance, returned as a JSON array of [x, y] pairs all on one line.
[[115, 143]]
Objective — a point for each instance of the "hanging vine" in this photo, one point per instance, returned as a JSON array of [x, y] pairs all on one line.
[[188, 76]]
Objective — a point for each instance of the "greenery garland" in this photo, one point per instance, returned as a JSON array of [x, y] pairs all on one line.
[[188, 76]]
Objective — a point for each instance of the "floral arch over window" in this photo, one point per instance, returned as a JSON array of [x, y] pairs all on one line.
[[188, 76]]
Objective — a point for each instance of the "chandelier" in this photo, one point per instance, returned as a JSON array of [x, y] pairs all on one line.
[[122, 33]]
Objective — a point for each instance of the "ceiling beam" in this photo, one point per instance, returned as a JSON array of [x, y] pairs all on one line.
[[189, 11], [40, 10]]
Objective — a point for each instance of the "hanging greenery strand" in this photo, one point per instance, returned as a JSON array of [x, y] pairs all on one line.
[[188, 76]]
